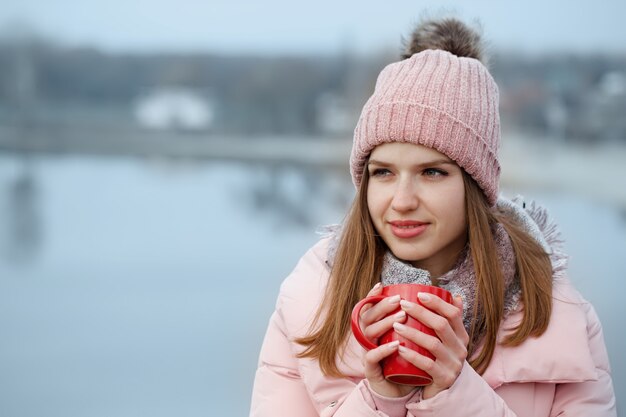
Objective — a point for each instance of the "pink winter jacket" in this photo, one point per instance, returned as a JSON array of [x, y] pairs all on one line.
[[565, 372]]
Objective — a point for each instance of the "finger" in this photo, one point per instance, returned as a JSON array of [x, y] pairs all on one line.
[[443, 376], [448, 345], [423, 314], [380, 310], [438, 323], [376, 289], [457, 300], [381, 352], [452, 312], [437, 304], [422, 362], [426, 341], [378, 328], [458, 325], [373, 357]]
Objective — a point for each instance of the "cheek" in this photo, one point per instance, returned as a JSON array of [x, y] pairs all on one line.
[[373, 202], [456, 213], [459, 224], [377, 206], [451, 205]]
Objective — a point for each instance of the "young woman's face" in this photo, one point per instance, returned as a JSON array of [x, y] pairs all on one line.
[[416, 198]]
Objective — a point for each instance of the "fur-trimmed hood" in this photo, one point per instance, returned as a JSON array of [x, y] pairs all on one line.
[[538, 223]]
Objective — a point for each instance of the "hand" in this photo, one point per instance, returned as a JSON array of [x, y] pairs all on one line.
[[376, 321], [449, 349]]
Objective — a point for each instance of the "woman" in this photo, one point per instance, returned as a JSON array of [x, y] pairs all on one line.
[[518, 339]]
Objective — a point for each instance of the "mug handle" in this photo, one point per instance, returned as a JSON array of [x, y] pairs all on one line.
[[356, 313]]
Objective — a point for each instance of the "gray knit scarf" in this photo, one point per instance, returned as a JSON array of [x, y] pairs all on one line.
[[461, 279]]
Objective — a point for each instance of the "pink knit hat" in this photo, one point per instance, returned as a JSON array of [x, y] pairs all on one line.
[[438, 100]]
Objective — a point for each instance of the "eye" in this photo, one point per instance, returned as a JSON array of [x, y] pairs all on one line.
[[434, 172], [380, 172]]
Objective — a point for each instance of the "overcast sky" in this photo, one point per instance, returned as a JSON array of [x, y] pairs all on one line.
[[287, 26]]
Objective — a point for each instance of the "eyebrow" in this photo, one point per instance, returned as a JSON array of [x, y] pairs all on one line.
[[427, 163]]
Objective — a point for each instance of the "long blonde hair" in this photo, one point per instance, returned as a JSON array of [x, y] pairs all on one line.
[[358, 263]]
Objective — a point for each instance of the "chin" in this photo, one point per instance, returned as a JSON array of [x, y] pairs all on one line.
[[407, 254]]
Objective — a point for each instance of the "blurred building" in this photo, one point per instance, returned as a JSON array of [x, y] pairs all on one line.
[[174, 108]]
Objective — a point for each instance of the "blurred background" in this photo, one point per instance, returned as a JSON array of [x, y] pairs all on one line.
[[163, 165]]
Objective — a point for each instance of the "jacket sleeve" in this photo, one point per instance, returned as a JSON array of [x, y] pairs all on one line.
[[589, 398]]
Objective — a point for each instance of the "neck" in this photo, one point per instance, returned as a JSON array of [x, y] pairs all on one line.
[[437, 269]]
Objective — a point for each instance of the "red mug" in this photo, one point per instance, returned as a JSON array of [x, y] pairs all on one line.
[[395, 368]]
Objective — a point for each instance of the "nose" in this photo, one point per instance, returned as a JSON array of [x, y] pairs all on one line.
[[405, 197]]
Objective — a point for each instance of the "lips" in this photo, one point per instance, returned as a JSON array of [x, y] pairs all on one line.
[[407, 229]]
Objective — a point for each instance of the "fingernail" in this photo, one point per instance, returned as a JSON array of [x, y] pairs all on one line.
[[400, 314], [393, 299], [399, 326], [377, 286], [423, 296], [406, 304], [403, 349], [393, 345]]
